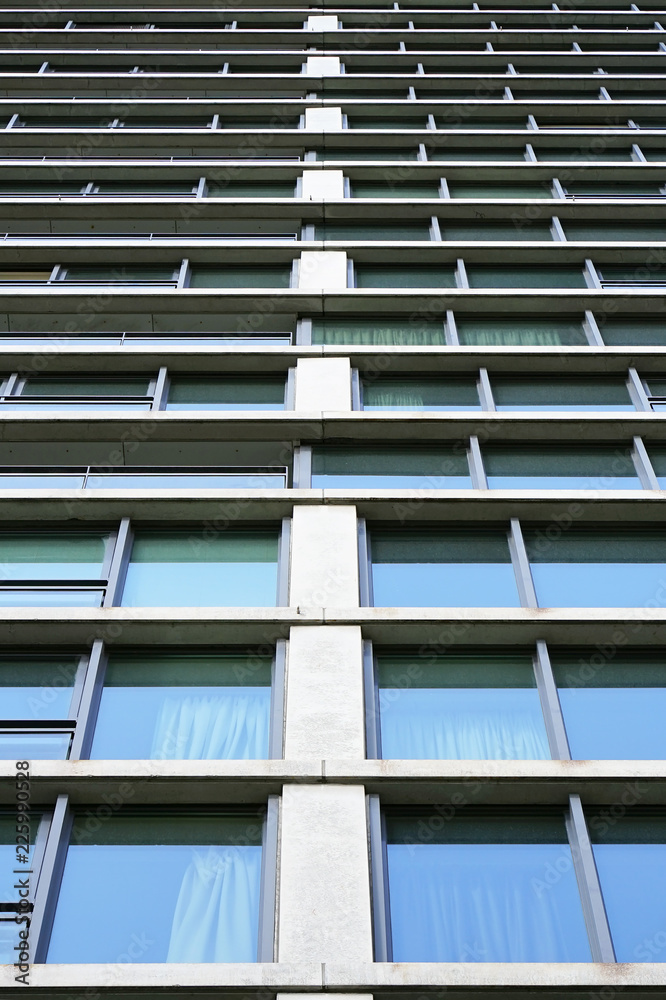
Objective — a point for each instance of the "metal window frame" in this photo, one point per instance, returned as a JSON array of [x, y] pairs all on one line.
[[50, 878], [278, 705], [373, 736], [550, 703], [90, 701], [366, 596], [119, 563], [589, 886], [521, 566], [302, 470], [379, 883], [268, 891], [283, 564]]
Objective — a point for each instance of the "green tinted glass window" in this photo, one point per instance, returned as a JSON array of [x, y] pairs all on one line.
[[226, 394], [408, 332], [462, 189], [524, 277], [390, 276], [377, 231], [419, 393], [519, 332], [511, 232], [648, 332], [546, 393], [240, 277], [397, 189]]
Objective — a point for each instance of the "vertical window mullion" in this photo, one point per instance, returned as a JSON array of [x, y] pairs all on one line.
[[637, 391], [381, 913], [302, 475], [485, 391], [644, 467], [284, 561], [119, 564], [364, 566], [550, 703], [594, 911], [356, 390], [521, 566], [50, 877], [373, 740], [89, 705], [161, 390], [476, 468], [276, 726], [268, 893]]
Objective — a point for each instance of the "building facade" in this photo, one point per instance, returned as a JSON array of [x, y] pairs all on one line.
[[332, 542]]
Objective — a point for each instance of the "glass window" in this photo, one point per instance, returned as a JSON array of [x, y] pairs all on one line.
[[380, 467], [419, 394], [9, 928], [467, 189], [35, 691], [555, 393], [602, 569], [197, 706], [630, 854], [37, 189], [390, 124], [525, 277], [57, 569], [373, 231], [175, 569], [522, 229], [187, 479], [496, 153], [81, 393], [519, 332], [231, 393], [357, 332], [252, 189], [588, 152], [460, 707], [658, 458], [613, 709], [160, 888], [634, 276], [394, 189], [641, 232], [240, 277], [442, 569], [467, 889], [406, 276], [609, 189], [122, 275], [121, 189], [634, 332], [453, 121], [545, 466]]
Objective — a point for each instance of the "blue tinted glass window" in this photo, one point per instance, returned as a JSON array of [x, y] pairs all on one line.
[[630, 853], [9, 928], [473, 889], [168, 888], [448, 569], [598, 569], [545, 466], [184, 707], [658, 459], [613, 709], [426, 468], [460, 708]]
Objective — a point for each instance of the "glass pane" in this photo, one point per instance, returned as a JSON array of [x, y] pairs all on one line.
[[160, 889], [29, 404], [36, 688], [585, 153], [500, 231], [193, 707], [613, 709], [226, 394], [390, 276], [646, 332], [409, 333], [33, 598], [59, 556], [442, 569], [462, 189], [388, 189], [658, 459], [16, 481], [376, 231], [498, 153], [85, 387], [598, 569], [639, 231], [544, 466], [524, 277], [519, 332], [170, 569], [630, 853], [34, 746], [242, 189], [460, 708], [120, 275], [240, 277], [382, 468], [155, 189], [540, 393], [9, 929], [419, 393], [186, 481], [474, 890]]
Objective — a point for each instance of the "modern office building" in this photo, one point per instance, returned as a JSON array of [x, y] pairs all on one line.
[[333, 540]]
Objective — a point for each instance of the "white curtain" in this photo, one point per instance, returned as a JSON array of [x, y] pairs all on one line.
[[217, 913], [232, 725], [485, 903]]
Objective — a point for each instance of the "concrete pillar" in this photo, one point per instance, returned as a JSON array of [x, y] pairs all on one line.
[[322, 22], [323, 65], [318, 184], [323, 384], [324, 557], [325, 710], [323, 119], [323, 270], [324, 908]]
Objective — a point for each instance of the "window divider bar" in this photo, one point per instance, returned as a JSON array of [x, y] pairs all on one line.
[[356, 390], [183, 274], [451, 330], [592, 329], [12, 384], [637, 391], [364, 567], [644, 467], [290, 389], [302, 474], [284, 562], [119, 564], [371, 690], [557, 230], [485, 391], [48, 887], [594, 911], [268, 892], [550, 703], [521, 566], [276, 730], [461, 274], [476, 468], [90, 699], [381, 914], [303, 332], [161, 389]]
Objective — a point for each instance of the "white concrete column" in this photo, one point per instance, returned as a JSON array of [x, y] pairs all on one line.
[[325, 707], [323, 384], [318, 184], [322, 22], [323, 65], [324, 908], [323, 270], [324, 557], [323, 119]]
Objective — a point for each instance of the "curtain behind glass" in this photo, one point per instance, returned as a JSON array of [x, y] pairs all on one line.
[[520, 333], [360, 332], [231, 725]]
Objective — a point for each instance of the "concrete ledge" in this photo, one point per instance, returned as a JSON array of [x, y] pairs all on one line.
[[154, 976], [494, 975]]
